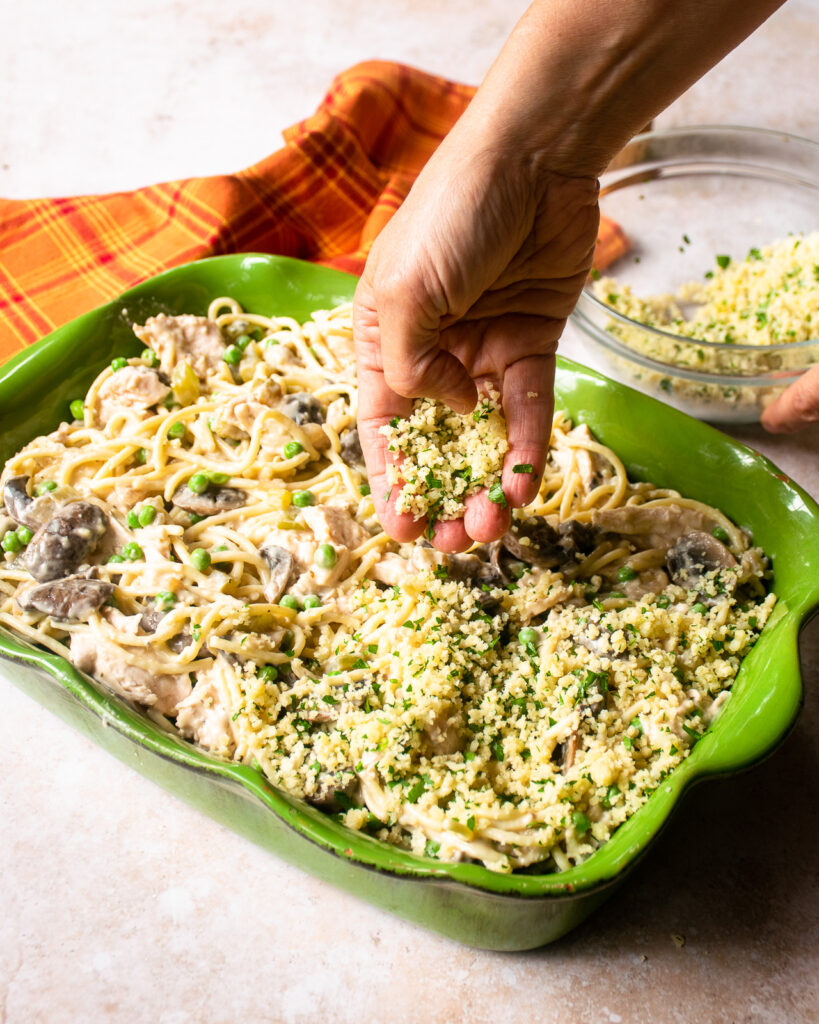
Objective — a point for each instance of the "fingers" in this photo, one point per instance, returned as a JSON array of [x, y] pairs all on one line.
[[451, 536], [377, 405], [528, 403], [486, 520], [796, 407]]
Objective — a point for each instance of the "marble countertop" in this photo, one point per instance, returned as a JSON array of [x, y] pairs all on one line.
[[120, 903]]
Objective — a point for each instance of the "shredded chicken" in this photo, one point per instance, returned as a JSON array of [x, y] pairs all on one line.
[[176, 338], [105, 661], [130, 392], [203, 717], [654, 526]]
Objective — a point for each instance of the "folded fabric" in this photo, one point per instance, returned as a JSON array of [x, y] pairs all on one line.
[[324, 196]]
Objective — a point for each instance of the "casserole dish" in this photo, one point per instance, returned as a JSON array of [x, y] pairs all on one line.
[[462, 900]]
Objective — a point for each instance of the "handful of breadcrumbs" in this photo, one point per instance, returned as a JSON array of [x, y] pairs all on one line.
[[440, 457]]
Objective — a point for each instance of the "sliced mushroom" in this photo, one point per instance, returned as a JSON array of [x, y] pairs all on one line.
[[330, 785], [302, 408], [281, 564], [567, 751], [209, 502], [351, 451], [694, 557], [75, 598], [66, 540], [473, 570], [25, 510], [151, 617], [478, 574], [17, 499], [576, 537], [535, 541]]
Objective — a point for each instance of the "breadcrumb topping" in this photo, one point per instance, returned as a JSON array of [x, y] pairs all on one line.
[[440, 457]]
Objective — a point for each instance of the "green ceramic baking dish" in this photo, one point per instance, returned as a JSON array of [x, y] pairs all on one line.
[[463, 901]]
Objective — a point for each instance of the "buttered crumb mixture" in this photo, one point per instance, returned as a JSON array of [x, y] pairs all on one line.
[[200, 537], [770, 297], [439, 457]]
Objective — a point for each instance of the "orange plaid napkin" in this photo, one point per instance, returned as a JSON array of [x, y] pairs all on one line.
[[324, 196]]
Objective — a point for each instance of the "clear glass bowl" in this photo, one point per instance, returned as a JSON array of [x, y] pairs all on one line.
[[682, 196]]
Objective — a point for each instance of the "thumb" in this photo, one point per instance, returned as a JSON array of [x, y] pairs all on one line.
[[796, 407]]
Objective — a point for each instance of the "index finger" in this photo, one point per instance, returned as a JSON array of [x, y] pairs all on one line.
[[377, 405]]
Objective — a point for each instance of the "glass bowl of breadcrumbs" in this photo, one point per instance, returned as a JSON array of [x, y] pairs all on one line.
[[715, 308]]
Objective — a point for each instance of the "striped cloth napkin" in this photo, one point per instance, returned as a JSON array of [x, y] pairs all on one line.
[[324, 196]]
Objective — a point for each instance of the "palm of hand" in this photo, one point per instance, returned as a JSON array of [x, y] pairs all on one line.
[[466, 284]]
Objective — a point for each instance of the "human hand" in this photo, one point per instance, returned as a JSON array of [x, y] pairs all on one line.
[[796, 407], [472, 281]]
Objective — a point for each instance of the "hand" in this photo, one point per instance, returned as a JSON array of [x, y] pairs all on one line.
[[471, 281], [796, 407]]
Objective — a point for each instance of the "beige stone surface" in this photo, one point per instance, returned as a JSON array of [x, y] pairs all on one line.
[[117, 902]]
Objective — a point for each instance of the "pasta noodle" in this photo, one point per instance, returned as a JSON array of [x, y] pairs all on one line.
[[201, 539]]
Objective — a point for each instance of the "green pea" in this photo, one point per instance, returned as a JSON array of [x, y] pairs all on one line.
[[177, 430], [24, 534], [132, 552], [218, 478], [720, 534], [626, 573], [147, 514], [44, 487], [364, 490], [233, 355], [198, 483], [195, 518], [289, 601], [119, 363], [243, 341], [165, 600], [11, 543], [326, 556], [268, 673], [581, 822], [312, 601], [496, 494], [115, 559], [200, 559], [301, 499], [147, 355], [77, 408], [141, 456], [699, 608], [133, 520], [293, 448], [527, 635]]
